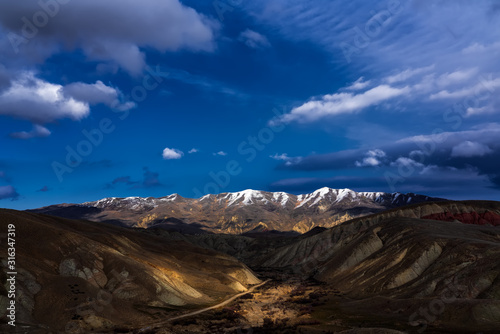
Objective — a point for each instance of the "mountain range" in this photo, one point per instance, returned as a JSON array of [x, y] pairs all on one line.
[[238, 212]]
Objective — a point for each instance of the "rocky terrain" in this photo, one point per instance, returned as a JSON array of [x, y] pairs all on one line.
[[90, 276], [397, 269], [394, 267], [236, 213], [430, 267]]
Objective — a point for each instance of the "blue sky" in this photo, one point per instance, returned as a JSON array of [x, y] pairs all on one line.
[[149, 98]]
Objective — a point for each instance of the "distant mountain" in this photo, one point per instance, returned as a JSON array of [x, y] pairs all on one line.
[[238, 212]]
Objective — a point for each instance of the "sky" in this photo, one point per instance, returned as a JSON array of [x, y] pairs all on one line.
[[148, 98]]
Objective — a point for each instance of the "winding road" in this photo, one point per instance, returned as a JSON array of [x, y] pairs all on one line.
[[203, 310]]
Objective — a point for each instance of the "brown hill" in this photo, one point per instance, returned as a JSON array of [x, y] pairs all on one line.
[[426, 273], [94, 276]]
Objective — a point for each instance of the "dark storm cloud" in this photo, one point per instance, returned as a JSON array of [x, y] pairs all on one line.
[[477, 149], [436, 148], [434, 181]]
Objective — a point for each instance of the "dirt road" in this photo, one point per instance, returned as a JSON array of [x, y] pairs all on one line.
[[224, 303]]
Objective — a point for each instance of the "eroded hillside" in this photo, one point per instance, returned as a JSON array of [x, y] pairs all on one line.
[[92, 276]]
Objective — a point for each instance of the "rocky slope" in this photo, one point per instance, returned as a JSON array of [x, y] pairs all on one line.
[[93, 277], [236, 213], [258, 244], [398, 267]]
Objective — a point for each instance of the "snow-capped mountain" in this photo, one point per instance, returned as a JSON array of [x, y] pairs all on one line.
[[256, 197], [241, 211]]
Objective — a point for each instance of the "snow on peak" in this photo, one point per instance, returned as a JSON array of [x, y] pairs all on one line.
[[316, 195], [246, 196], [346, 193], [169, 198], [396, 195], [101, 202], [374, 196], [322, 191], [335, 195], [207, 196], [282, 197], [322, 196]]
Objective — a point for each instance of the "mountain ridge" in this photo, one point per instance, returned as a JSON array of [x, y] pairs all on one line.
[[247, 195], [239, 212]]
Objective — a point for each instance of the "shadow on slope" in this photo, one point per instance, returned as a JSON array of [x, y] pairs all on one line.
[[95, 277]]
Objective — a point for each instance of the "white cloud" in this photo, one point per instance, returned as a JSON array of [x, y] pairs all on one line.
[[481, 48], [284, 157], [371, 159], [193, 150], [407, 74], [482, 86], [38, 131], [196, 80], [277, 156], [172, 154], [426, 84], [220, 153], [97, 93], [479, 111], [254, 40], [488, 133], [469, 149], [456, 77], [406, 162], [39, 101], [359, 84], [341, 103]]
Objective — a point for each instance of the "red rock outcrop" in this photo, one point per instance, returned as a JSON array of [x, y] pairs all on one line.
[[486, 218]]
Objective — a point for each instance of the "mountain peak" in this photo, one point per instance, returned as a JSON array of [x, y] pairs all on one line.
[[245, 197], [322, 191]]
